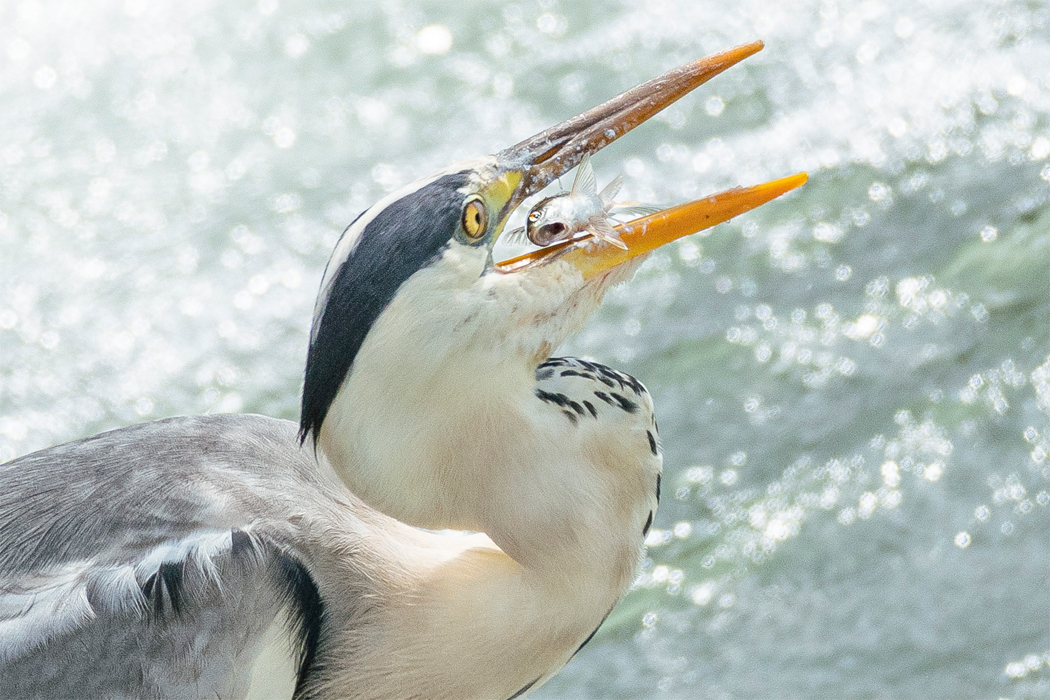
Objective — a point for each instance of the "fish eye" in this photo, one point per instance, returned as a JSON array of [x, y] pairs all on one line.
[[475, 218], [534, 216]]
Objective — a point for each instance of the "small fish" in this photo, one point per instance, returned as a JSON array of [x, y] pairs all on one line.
[[581, 209]]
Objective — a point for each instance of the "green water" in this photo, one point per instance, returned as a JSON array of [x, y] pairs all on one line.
[[852, 384]]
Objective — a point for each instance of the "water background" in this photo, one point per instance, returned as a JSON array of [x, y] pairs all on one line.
[[853, 383]]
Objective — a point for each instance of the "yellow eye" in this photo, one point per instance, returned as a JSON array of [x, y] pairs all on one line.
[[475, 218], [534, 216]]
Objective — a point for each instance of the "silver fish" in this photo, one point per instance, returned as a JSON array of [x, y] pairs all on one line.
[[581, 209]]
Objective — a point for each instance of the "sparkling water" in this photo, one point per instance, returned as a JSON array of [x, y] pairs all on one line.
[[853, 383]]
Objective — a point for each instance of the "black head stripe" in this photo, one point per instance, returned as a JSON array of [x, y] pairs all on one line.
[[403, 238]]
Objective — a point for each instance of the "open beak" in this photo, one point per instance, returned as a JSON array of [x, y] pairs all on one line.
[[652, 231], [540, 159]]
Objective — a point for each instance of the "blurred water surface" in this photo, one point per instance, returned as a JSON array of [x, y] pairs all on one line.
[[853, 383]]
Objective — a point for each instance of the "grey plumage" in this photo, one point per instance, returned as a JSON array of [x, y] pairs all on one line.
[[159, 555], [151, 561]]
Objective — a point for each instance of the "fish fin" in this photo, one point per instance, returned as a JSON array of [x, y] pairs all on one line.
[[601, 229], [516, 236], [610, 190], [632, 211], [585, 182]]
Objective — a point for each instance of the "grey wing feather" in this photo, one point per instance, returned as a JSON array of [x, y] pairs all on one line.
[[151, 561]]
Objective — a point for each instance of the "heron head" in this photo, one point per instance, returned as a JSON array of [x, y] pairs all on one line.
[[423, 346]]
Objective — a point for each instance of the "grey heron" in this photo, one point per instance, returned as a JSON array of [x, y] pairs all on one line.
[[240, 556]]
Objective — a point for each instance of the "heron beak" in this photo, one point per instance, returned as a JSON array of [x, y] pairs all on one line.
[[538, 160], [650, 232]]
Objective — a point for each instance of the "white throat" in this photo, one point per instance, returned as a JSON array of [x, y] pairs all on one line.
[[441, 424]]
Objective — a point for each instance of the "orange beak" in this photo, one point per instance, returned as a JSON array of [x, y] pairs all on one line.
[[650, 232], [532, 164]]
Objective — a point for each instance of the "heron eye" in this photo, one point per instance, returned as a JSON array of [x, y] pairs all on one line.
[[475, 218]]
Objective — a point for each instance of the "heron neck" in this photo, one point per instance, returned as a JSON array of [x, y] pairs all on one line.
[[466, 603]]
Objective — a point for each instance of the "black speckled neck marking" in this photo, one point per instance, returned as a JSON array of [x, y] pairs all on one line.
[[402, 239]]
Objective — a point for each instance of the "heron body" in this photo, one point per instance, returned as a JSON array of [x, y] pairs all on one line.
[[252, 542], [247, 557]]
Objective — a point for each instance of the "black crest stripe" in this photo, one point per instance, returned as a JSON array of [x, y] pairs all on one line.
[[403, 238]]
